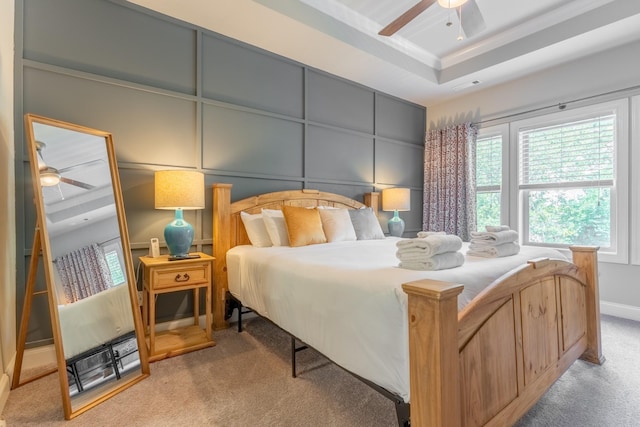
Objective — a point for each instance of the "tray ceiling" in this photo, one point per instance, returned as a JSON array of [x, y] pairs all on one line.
[[423, 62]]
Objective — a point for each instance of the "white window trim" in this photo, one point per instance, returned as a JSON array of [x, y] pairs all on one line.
[[635, 179], [620, 194]]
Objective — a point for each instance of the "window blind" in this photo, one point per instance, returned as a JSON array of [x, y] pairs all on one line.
[[489, 162], [579, 153]]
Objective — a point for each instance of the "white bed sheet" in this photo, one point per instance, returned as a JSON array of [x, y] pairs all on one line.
[[345, 299]]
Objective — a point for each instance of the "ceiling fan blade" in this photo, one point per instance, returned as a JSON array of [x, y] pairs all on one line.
[[472, 20], [406, 17], [81, 165], [77, 183]]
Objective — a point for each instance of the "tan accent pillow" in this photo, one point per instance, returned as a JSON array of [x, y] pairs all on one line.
[[337, 225], [304, 226]]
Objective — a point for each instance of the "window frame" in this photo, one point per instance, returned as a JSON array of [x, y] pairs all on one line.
[[618, 253], [635, 179]]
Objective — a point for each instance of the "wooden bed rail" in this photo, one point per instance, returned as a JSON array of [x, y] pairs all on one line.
[[489, 363]]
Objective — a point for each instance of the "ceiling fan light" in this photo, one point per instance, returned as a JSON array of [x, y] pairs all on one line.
[[49, 178], [451, 4]]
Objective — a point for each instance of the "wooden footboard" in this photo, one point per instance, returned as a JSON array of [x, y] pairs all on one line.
[[488, 364]]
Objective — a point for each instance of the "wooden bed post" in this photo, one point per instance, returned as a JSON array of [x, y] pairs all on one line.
[[222, 243], [586, 258], [433, 353], [373, 201]]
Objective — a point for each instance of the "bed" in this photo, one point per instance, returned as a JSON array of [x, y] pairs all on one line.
[[93, 321], [479, 357], [98, 338]]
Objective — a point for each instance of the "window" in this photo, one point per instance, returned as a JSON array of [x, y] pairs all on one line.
[[569, 178], [562, 179], [115, 261], [489, 175], [635, 179]]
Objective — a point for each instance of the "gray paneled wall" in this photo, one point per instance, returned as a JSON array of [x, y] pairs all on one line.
[[176, 96]]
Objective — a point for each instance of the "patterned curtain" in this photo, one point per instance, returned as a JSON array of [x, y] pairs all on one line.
[[449, 180], [83, 272]]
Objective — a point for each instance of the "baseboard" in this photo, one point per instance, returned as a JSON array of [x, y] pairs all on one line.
[[5, 387], [620, 310], [39, 357], [179, 323]]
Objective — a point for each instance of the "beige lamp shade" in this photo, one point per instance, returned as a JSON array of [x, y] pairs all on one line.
[[396, 199], [179, 189]]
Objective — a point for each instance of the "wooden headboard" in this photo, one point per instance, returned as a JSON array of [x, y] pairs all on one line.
[[229, 231]]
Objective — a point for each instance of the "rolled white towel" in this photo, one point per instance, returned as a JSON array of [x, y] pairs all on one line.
[[495, 237], [494, 251], [431, 245], [437, 262], [423, 234], [494, 228]]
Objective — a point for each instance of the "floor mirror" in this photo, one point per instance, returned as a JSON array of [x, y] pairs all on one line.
[[83, 238]]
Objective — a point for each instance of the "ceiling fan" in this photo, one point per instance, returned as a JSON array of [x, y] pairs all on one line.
[[50, 176], [472, 24]]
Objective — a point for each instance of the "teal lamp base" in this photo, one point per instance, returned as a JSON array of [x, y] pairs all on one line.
[[179, 235], [396, 225]]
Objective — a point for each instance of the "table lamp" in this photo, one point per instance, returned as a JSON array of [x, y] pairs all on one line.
[[396, 199], [180, 190]]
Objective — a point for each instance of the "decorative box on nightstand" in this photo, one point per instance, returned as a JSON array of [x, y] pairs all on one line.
[[162, 276]]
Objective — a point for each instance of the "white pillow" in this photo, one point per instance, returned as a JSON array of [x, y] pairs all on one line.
[[256, 230], [276, 227], [337, 225]]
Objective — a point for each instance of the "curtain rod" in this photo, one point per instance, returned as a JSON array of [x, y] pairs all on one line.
[[560, 105]]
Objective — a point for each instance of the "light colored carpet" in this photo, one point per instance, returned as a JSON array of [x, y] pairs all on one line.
[[245, 381]]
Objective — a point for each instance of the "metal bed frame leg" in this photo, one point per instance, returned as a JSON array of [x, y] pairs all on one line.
[[231, 304], [403, 414], [294, 350], [402, 408]]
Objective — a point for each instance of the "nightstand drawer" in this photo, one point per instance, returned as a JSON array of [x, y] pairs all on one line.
[[185, 276]]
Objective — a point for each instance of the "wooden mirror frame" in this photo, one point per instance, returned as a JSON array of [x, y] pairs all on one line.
[[41, 239]]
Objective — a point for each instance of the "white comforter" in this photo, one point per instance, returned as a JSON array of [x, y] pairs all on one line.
[[345, 299]]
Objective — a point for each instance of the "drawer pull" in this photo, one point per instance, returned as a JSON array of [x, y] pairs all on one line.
[[182, 278]]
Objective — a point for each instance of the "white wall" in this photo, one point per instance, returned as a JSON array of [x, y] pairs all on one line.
[[7, 202], [608, 71]]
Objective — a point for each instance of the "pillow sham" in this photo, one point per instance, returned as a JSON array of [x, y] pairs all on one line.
[[276, 227], [256, 229], [337, 225], [366, 224], [304, 226]]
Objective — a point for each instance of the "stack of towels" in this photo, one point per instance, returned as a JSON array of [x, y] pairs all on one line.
[[430, 251], [497, 241]]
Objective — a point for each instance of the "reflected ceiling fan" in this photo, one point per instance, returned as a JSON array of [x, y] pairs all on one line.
[[50, 176], [472, 24]]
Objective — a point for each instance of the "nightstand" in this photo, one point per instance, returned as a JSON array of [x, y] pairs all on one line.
[[163, 276]]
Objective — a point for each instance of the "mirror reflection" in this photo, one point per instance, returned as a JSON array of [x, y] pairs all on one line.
[[88, 266]]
